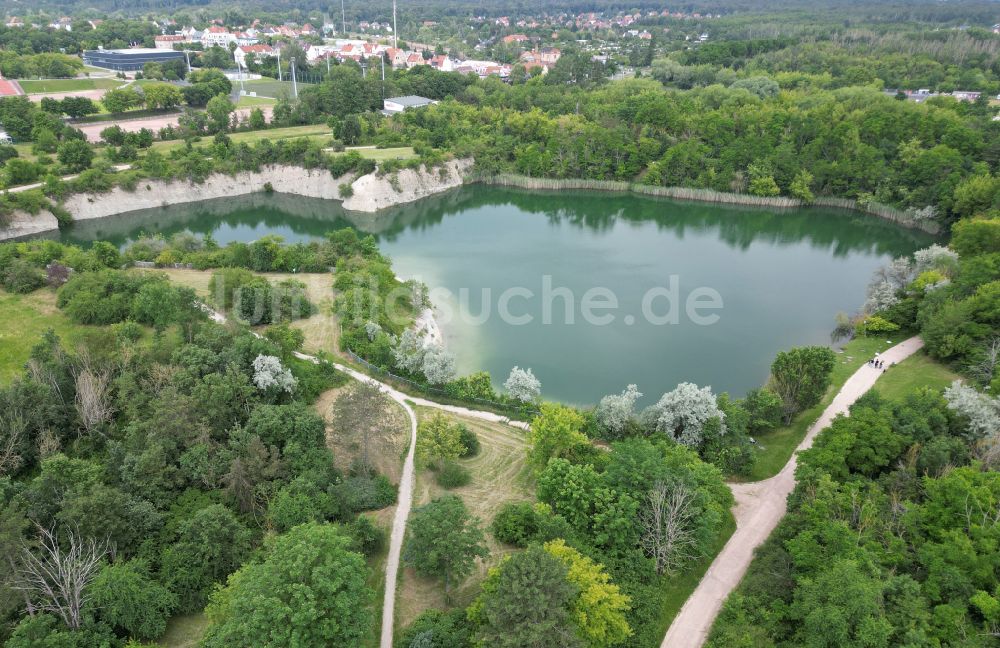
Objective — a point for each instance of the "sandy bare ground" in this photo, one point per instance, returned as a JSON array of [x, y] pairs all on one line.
[[93, 130], [759, 508], [94, 95]]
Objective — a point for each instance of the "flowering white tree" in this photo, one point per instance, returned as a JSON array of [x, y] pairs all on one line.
[[935, 257], [522, 385], [372, 329], [408, 354], [615, 410], [887, 282], [268, 372], [683, 412], [438, 365], [982, 411]]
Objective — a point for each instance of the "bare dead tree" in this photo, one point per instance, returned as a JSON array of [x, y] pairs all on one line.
[[55, 580], [93, 396], [667, 521], [13, 428], [363, 412]]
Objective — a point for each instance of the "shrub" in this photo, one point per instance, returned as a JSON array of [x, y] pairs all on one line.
[[367, 538], [875, 325], [366, 493], [22, 277], [515, 523], [345, 190], [469, 441], [452, 475]]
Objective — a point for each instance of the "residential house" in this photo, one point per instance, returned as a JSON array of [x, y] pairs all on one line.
[[256, 53], [167, 41], [216, 35]]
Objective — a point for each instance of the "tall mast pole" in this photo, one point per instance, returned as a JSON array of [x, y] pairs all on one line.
[[394, 36], [343, 20]]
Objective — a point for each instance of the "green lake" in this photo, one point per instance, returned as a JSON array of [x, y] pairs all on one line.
[[781, 277]]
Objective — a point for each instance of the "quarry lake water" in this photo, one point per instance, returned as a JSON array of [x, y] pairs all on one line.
[[781, 277]]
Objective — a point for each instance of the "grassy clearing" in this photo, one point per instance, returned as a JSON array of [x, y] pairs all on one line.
[[315, 130], [184, 631], [919, 370], [321, 330], [397, 153], [499, 475], [776, 447], [23, 321], [40, 86]]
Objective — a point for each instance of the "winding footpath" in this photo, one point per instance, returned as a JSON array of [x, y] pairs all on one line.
[[759, 508], [405, 499]]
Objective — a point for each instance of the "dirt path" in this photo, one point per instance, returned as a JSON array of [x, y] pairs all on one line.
[[759, 508], [405, 498]]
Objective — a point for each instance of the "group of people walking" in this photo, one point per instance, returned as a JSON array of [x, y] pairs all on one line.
[[878, 364]]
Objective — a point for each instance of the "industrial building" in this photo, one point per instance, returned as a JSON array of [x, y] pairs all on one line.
[[128, 60]]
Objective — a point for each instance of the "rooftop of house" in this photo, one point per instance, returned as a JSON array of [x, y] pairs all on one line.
[[410, 100]]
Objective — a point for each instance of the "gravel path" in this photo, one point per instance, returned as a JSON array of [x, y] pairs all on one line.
[[405, 498], [759, 508]]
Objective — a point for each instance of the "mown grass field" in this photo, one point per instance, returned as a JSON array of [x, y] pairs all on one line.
[[272, 87], [39, 86], [919, 370], [314, 130], [500, 474], [247, 101], [776, 447]]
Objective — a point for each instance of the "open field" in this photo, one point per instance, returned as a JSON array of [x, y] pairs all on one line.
[[776, 447], [919, 370], [247, 101], [23, 321], [499, 475], [314, 130], [271, 87], [38, 86], [377, 154]]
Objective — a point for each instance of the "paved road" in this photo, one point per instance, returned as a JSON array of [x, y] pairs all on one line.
[[759, 508]]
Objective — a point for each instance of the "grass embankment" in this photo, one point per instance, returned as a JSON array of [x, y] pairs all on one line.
[[500, 474], [41, 86], [776, 447]]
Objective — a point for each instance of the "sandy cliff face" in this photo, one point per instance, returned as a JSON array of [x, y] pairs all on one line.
[[370, 192]]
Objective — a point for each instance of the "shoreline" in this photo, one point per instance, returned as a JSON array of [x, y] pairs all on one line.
[[708, 196], [370, 193], [373, 193]]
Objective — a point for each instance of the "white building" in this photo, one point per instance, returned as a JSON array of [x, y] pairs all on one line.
[[395, 105]]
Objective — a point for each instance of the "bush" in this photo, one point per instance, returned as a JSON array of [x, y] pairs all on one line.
[[515, 523], [345, 190], [365, 493], [22, 277], [367, 538], [469, 441], [452, 475]]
